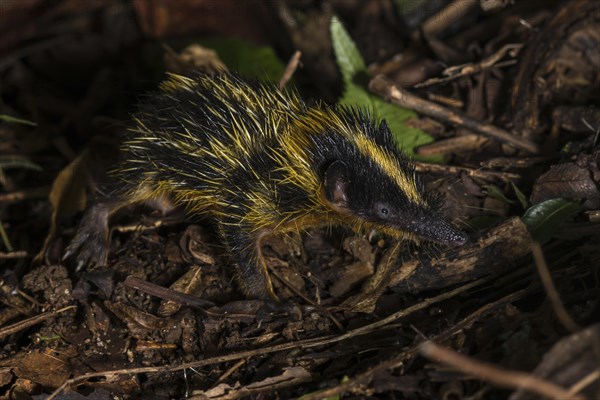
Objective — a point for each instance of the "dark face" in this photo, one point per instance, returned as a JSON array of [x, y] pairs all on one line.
[[375, 197]]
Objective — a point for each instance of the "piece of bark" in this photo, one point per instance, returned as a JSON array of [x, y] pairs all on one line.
[[576, 181], [493, 252]]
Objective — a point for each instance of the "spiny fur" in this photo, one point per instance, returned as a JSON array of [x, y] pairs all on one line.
[[254, 140], [255, 158]]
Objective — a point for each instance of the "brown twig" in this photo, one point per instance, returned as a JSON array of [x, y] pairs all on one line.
[[230, 371], [448, 101], [395, 94], [447, 16], [474, 173], [290, 376], [26, 194], [138, 227], [13, 254], [29, 322], [512, 162], [291, 67], [584, 382], [546, 278], [458, 71], [166, 293], [495, 375], [457, 144]]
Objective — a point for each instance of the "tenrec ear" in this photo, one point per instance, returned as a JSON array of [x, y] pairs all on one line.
[[336, 183]]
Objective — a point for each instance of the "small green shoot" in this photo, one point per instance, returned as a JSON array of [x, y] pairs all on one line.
[[8, 118], [495, 192], [520, 196], [5, 238]]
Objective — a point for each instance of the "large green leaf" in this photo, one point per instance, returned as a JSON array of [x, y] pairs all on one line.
[[544, 219], [356, 78]]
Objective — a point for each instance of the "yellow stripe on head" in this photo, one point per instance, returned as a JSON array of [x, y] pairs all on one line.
[[389, 165]]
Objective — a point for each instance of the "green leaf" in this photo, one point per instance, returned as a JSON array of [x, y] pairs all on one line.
[[356, 77], [5, 238], [544, 219], [247, 59], [349, 60], [495, 192], [16, 120], [520, 196]]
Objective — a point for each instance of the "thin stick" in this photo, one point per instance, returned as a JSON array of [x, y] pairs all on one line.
[[291, 67], [29, 322], [584, 382], [230, 371], [13, 254], [559, 308], [166, 293], [475, 173], [495, 375], [459, 71], [447, 16], [26, 194], [395, 94]]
